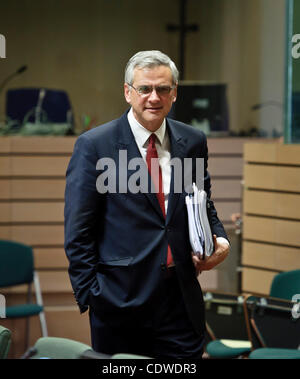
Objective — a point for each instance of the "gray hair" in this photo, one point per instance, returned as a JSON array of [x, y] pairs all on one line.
[[151, 58]]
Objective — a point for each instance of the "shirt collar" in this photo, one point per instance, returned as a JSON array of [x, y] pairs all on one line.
[[141, 134]]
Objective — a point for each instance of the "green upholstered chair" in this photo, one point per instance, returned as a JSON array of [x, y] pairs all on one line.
[[226, 326], [17, 268], [5, 341], [227, 349], [128, 356], [274, 353], [56, 348], [91, 354], [284, 286], [65, 348]]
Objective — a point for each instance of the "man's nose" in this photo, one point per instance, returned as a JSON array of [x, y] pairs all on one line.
[[153, 95]]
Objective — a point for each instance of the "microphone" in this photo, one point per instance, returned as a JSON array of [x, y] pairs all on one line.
[[38, 109], [19, 71]]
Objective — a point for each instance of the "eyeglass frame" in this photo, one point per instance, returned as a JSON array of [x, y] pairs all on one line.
[[152, 88]]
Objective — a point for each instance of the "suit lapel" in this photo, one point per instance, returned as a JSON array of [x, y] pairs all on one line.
[[178, 150]]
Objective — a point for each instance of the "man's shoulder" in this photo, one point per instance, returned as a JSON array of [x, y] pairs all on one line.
[[186, 129], [101, 131], [105, 133]]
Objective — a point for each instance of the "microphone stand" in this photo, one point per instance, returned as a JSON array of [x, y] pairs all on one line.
[[5, 81]]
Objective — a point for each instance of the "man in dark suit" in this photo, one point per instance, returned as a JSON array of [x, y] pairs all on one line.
[[129, 251]]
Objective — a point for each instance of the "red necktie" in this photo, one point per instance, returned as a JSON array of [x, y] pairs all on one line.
[[156, 175]]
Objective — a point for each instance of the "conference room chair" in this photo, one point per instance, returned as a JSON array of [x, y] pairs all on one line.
[[35, 105], [225, 321], [56, 348], [5, 341], [274, 353], [65, 348], [283, 286], [17, 268], [273, 327]]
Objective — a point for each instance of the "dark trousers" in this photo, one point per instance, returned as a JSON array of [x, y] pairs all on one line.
[[162, 331]]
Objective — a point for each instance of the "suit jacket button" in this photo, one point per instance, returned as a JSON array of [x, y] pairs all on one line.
[[163, 266]]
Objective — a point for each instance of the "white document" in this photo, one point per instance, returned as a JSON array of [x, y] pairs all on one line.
[[199, 228], [193, 232]]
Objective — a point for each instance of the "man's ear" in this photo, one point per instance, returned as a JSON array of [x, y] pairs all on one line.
[[174, 97], [127, 93]]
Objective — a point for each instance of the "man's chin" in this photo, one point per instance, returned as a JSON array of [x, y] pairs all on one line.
[[153, 121]]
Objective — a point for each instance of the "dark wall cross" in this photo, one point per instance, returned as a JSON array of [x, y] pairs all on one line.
[[183, 29]]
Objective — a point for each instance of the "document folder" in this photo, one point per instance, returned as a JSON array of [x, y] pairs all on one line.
[[200, 234]]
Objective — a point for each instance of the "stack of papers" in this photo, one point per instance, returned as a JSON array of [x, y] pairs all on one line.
[[199, 228]]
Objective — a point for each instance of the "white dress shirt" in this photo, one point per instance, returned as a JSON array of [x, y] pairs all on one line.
[[162, 144]]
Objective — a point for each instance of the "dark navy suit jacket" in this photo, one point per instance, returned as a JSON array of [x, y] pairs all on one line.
[[116, 243]]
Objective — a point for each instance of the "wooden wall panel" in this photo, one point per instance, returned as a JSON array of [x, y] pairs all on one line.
[[50, 258], [257, 281], [228, 146], [272, 178], [227, 189], [231, 166], [281, 205], [4, 189], [272, 230], [271, 213], [42, 145], [272, 153], [67, 322], [5, 145], [5, 166], [270, 256], [31, 212], [28, 189], [31, 166], [35, 235], [225, 165], [51, 281], [225, 210]]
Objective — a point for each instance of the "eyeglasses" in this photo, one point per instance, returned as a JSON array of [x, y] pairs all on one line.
[[147, 90]]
